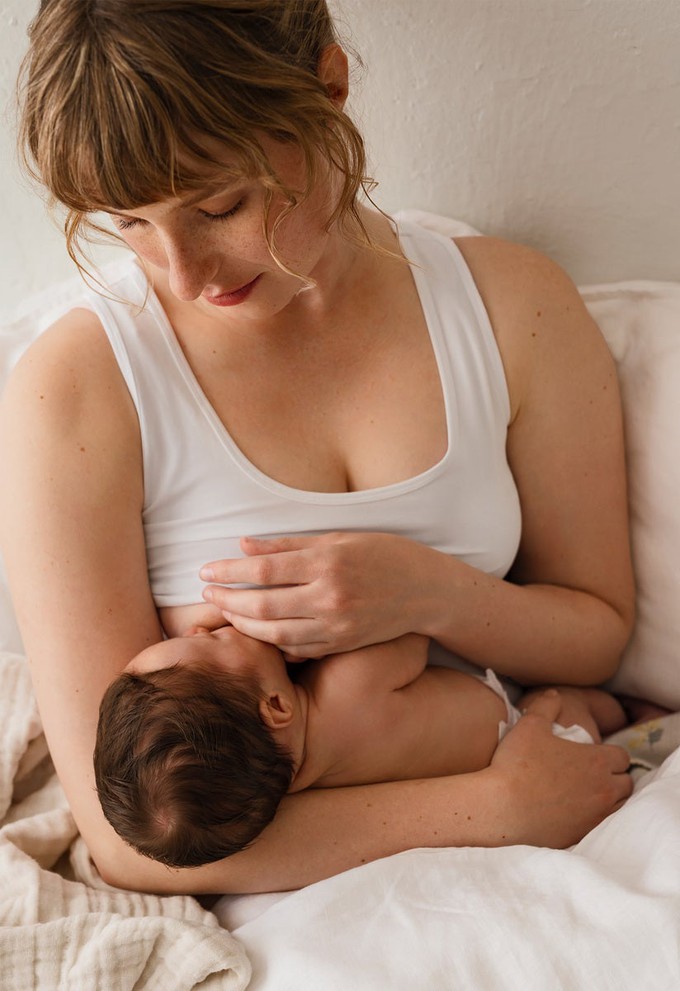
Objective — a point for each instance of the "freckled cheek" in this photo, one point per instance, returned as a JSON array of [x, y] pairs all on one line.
[[301, 239], [147, 247], [156, 256]]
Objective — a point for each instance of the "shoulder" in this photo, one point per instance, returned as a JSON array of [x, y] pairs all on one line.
[[536, 312], [69, 370], [517, 282], [75, 342], [65, 395]]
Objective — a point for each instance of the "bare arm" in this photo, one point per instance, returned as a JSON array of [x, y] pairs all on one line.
[[567, 612], [378, 669], [73, 542]]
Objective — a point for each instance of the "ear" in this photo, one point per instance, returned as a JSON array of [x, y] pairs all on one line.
[[333, 72], [276, 710]]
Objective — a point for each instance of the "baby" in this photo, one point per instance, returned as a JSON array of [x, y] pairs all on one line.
[[202, 735]]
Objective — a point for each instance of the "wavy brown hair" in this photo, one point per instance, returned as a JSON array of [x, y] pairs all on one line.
[[186, 771], [118, 98]]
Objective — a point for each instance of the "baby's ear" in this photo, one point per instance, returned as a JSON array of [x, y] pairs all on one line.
[[276, 710]]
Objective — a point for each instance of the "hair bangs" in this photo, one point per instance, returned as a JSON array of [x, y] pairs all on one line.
[[126, 146], [128, 103]]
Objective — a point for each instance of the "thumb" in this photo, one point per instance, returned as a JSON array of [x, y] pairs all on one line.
[[547, 705]]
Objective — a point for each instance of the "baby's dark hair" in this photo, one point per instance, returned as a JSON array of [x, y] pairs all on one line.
[[186, 771]]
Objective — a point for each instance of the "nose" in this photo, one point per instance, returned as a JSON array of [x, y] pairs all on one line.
[[191, 265]]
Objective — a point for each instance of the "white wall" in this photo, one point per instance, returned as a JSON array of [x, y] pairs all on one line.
[[553, 122]]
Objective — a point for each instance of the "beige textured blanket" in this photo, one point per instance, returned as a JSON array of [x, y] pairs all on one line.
[[61, 927]]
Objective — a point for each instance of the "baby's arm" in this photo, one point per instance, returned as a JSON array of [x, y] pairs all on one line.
[[374, 670]]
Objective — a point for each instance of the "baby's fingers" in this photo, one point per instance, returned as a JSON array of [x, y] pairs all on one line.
[[547, 705]]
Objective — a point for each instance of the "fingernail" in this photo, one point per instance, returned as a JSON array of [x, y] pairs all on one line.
[[207, 574], [208, 594]]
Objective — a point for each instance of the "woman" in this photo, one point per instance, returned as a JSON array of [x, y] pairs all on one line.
[[291, 372]]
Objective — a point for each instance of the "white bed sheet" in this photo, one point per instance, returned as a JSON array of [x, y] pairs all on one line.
[[605, 915]]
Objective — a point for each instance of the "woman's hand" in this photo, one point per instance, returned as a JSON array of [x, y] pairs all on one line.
[[324, 594], [556, 790]]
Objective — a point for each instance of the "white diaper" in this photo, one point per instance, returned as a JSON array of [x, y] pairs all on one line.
[[575, 733]]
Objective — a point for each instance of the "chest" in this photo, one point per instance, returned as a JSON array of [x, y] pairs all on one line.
[[352, 402]]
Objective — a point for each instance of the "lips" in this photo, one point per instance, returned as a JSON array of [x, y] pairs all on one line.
[[234, 296]]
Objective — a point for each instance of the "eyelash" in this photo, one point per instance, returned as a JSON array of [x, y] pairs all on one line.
[[125, 225]]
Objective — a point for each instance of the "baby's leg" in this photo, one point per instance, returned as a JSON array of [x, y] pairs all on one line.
[[595, 710]]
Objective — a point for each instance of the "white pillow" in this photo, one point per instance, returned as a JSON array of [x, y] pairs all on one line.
[[641, 323]]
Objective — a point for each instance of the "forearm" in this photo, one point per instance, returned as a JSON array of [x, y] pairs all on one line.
[[538, 790], [535, 633], [320, 833]]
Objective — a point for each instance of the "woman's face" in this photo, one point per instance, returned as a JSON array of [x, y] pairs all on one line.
[[212, 249]]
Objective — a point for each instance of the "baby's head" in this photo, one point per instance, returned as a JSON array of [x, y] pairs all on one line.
[[198, 741]]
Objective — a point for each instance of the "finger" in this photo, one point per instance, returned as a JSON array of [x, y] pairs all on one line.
[[294, 636], [286, 568], [276, 545], [627, 785], [547, 705], [620, 758], [623, 789], [259, 603]]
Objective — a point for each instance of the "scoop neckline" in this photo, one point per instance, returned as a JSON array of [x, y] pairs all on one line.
[[223, 435]]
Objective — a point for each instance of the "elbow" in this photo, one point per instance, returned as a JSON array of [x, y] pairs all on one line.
[[111, 864], [120, 867], [618, 634]]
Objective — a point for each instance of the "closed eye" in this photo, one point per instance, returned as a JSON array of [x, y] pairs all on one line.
[[127, 223], [222, 216]]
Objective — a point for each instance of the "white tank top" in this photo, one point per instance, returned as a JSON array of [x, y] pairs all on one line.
[[201, 494]]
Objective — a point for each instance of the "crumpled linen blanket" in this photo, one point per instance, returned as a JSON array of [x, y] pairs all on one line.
[[61, 927]]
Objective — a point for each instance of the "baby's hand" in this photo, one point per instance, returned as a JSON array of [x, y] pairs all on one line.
[[596, 711], [183, 621]]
